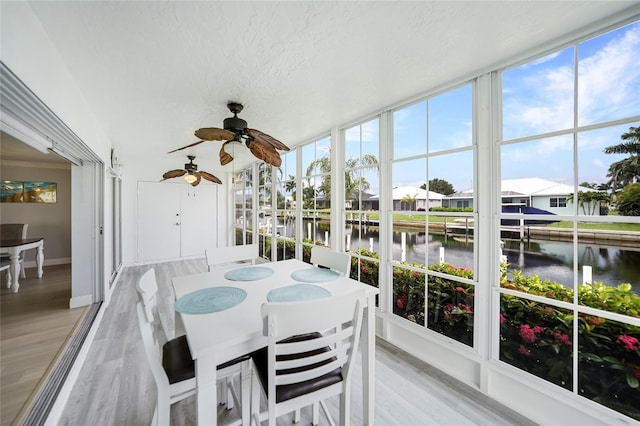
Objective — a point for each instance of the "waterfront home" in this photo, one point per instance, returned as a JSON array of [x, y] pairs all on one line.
[[535, 192], [407, 198]]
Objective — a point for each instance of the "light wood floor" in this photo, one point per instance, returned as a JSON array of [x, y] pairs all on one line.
[[116, 388], [35, 324]]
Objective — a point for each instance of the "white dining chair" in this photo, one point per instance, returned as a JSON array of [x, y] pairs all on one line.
[[301, 366], [5, 265], [171, 362], [14, 231], [219, 256], [337, 260]]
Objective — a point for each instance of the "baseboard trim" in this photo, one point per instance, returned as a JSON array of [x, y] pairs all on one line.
[[76, 302]]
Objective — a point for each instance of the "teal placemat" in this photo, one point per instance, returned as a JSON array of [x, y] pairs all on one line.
[[297, 293], [209, 300], [315, 275], [249, 273]]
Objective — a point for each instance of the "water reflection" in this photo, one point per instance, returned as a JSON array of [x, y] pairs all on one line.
[[551, 260]]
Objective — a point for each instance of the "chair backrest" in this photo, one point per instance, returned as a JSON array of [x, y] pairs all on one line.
[[147, 287], [13, 231], [221, 255], [336, 260], [338, 318], [153, 338]]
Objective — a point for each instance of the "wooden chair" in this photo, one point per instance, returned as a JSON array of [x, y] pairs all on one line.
[[171, 362], [336, 260], [217, 257], [302, 366], [14, 231]]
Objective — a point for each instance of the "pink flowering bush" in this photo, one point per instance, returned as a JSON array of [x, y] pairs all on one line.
[[538, 338]]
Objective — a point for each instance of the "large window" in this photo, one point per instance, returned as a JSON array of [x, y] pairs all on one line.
[[432, 191], [510, 203], [285, 231], [570, 283], [316, 195], [362, 200], [243, 206]]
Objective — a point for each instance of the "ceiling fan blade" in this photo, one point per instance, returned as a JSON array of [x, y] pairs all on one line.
[[267, 140], [186, 146], [268, 154], [211, 178], [225, 157], [214, 134], [198, 179], [173, 173]]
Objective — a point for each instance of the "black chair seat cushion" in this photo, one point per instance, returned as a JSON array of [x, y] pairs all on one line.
[[286, 392], [178, 364]]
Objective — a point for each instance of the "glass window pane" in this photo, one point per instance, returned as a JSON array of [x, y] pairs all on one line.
[[537, 97], [539, 266], [360, 237], [450, 118], [408, 177], [597, 169], [609, 363], [538, 174], [451, 241], [410, 131], [609, 266], [536, 338], [451, 180], [409, 239], [408, 294], [450, 306], [608, 76]]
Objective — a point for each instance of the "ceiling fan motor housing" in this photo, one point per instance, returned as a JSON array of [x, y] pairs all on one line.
[[190, 167], [234, 123]]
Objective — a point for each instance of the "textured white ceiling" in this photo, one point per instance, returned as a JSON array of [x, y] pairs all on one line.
[[153, 72]]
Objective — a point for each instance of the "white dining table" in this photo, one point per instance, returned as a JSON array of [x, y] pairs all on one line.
[[218, 337], [13, 248]]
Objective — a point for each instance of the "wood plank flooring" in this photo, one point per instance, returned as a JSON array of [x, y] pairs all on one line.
[[115, 386], [35, 324]]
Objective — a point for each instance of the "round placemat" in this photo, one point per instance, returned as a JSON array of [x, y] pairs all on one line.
[[314, 275], [209, 300], [297, 293], [249, 273]]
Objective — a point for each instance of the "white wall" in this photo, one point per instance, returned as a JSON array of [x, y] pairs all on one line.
[[146, 170], [28, 53]]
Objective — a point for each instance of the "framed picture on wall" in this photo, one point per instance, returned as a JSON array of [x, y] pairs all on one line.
[[28, 192], [11, 192]]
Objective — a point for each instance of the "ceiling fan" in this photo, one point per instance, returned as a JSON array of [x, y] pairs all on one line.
[[191, 173], [235, 129]]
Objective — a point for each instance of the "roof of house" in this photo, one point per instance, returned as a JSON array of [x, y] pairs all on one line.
[[400, 192], [528, 187]]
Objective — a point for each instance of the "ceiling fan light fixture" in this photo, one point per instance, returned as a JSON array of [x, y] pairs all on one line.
[[189, 177]]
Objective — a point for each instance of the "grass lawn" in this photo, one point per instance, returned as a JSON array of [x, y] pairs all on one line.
[[635, 227]]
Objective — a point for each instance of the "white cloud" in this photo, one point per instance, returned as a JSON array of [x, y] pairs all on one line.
[[608, 88]]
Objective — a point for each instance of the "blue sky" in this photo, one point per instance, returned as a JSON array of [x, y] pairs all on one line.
[[538, 97]]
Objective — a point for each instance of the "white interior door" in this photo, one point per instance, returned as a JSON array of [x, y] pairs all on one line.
[[159, 221], [198, 230]]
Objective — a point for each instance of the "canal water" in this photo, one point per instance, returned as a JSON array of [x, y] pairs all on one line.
[[551, 260]]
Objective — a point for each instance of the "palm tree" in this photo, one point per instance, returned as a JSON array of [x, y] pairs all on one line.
[[627, 171], [353, 182], [593, 199], [410, 200]]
